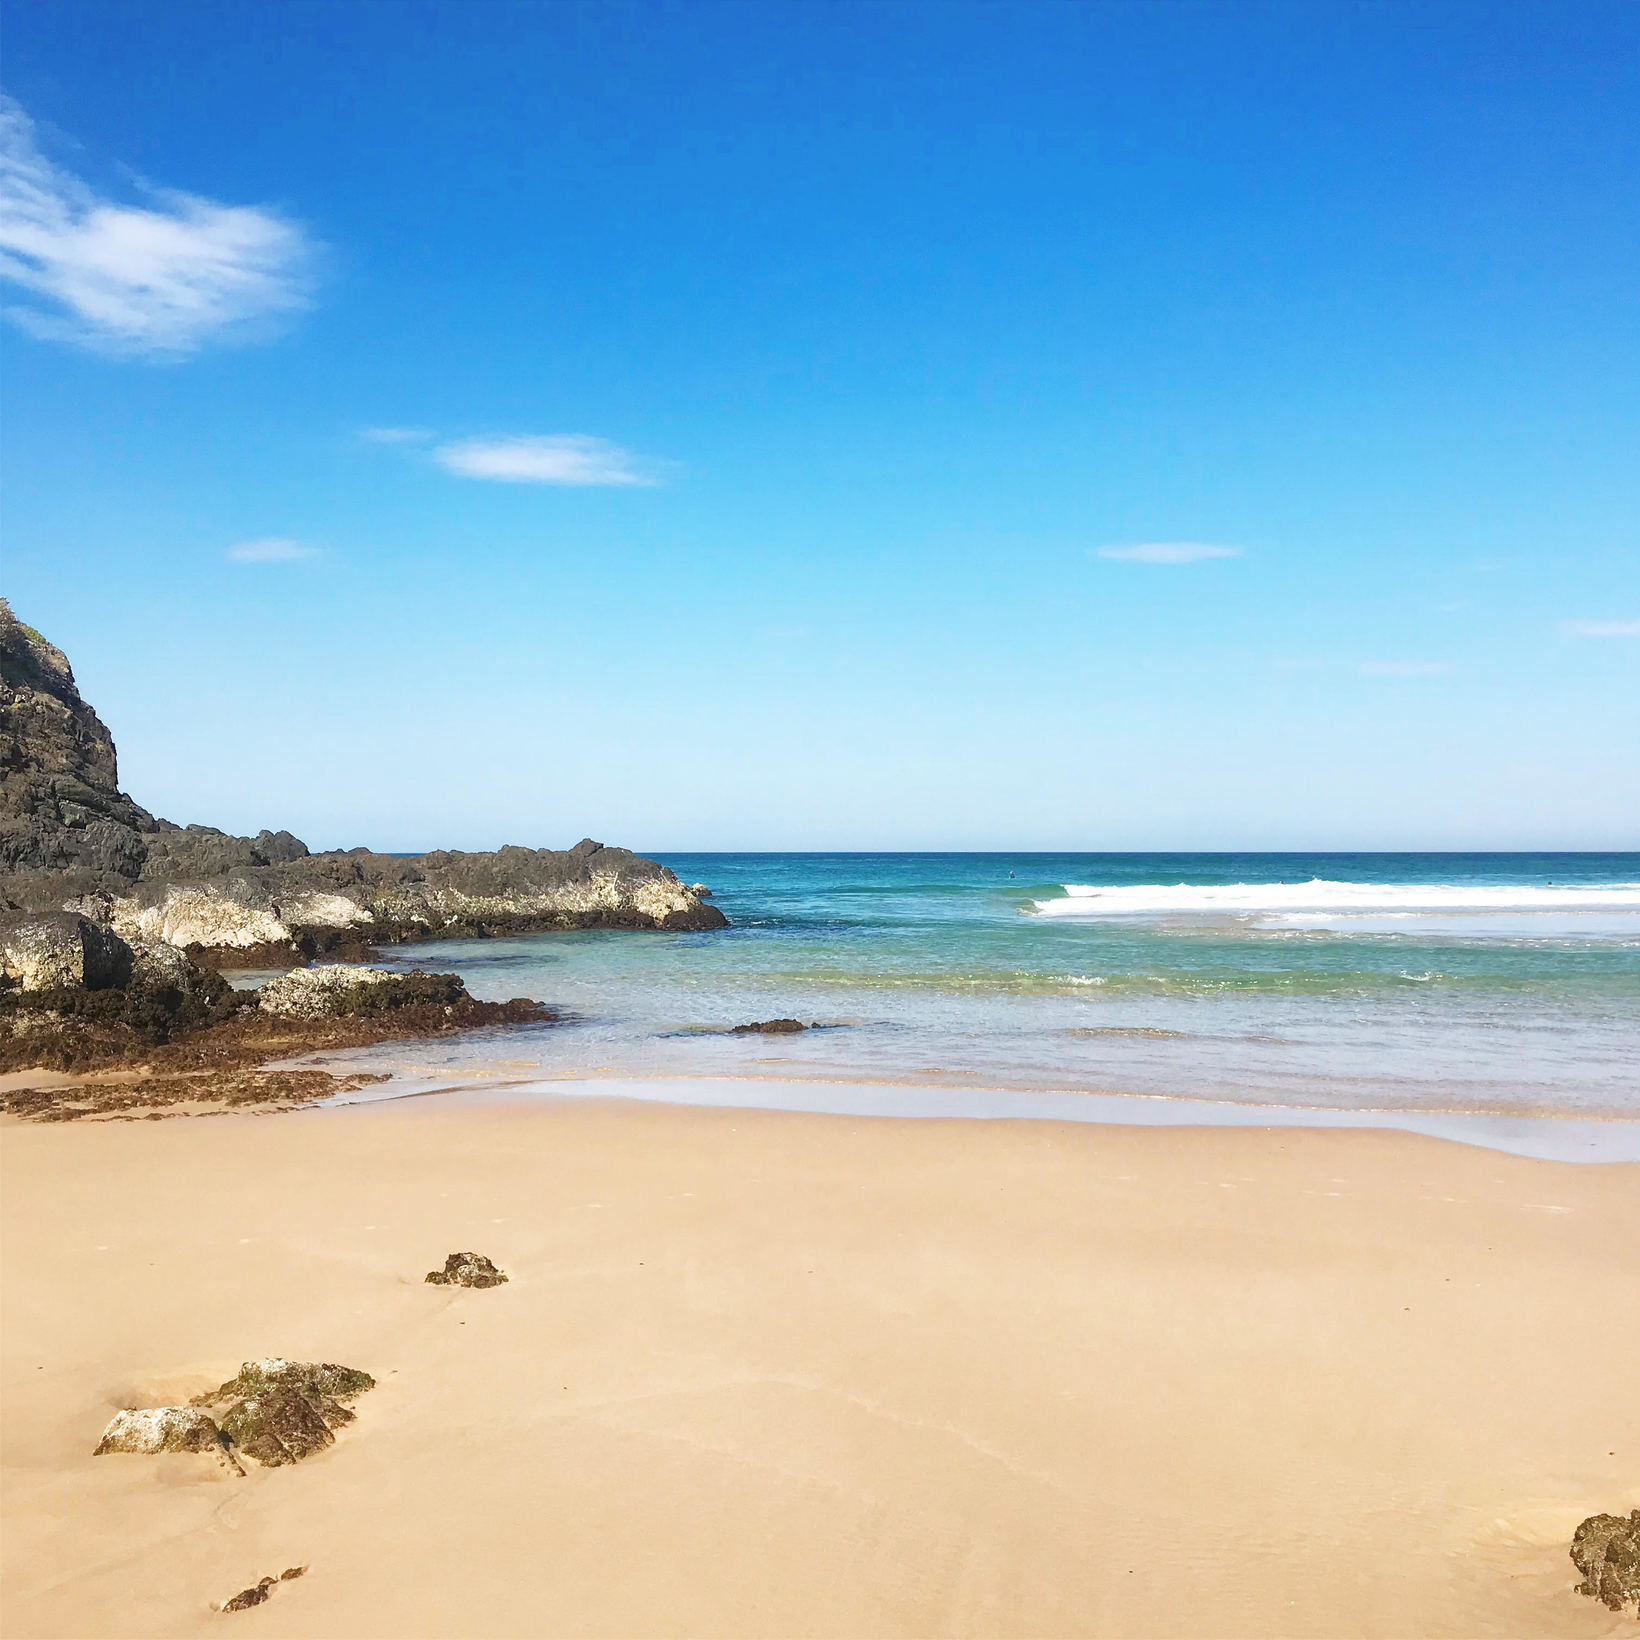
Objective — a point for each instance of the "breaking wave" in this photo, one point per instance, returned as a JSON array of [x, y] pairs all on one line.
[[1324, 898]]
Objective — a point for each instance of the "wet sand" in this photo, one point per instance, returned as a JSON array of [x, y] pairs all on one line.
[[773, 1373]]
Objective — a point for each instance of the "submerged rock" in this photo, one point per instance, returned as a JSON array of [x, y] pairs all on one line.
[[770, 1027], [166, 1429], [280, 1412], [467, 1270], [1606, 1549]]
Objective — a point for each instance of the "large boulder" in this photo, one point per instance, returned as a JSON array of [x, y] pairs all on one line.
[[55, 949]]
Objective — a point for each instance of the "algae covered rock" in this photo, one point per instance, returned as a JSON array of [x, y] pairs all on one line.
[[769, 1027], [281, 1426], [166, 1429], [319, 993], [467, 1270], [340, 989], [1606, 1550], [280, 1412]]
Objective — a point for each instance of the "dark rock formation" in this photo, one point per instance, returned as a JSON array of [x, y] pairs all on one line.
[[1606, 1550], [61, 809], [770, 1027], [71, 840], [467, 1270], [280, 1412]]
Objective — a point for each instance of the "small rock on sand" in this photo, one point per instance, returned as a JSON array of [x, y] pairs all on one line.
[[467, 1270], [1606, 1549], [253, 1596]]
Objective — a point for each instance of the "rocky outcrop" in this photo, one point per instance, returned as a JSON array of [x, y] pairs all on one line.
[[322, 903], [769, 1027], [274, 1410], [61, 809], [1606, 1550], [71, 840], [467, 1270]]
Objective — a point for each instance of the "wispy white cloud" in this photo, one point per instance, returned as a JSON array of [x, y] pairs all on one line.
[[1168, 552], [271, 549], [1602, 629], [395, 435], [555, 458], [158, 281], [1404, 669]]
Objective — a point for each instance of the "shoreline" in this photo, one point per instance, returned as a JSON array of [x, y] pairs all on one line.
[[764, 1372], [1552, 1136]]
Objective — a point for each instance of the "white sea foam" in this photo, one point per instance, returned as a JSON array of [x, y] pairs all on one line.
[[1319, 899]]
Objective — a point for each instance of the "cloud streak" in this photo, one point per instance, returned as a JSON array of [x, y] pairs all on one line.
[[156, 282], [395, 435], [1404, 669], [554, 458], [270, 549], [1167, 552], [1602, 629]]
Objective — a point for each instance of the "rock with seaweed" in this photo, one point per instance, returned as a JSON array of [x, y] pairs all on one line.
[[279, 1412], [1606, 1550]]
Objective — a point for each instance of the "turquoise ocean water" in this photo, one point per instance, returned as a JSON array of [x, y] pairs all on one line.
[[1486, 982]]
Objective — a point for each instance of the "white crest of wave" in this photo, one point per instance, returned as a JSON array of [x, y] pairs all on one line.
[[1085, 900]]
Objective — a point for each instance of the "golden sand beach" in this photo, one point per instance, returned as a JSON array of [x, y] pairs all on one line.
[[764, 1374]]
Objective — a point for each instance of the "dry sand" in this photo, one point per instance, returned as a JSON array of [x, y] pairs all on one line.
[[773, 1374]]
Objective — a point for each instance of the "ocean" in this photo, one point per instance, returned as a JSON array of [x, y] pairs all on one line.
[[1494, 983]]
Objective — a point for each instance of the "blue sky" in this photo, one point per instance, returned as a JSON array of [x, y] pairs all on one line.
[[732, 426]]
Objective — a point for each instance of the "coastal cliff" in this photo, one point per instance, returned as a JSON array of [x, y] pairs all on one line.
[[71, 841]]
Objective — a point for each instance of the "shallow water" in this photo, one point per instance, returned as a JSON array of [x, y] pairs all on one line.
[[1507, 983]]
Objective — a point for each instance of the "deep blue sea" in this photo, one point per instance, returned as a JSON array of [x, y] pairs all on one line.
[[1487, 982]]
